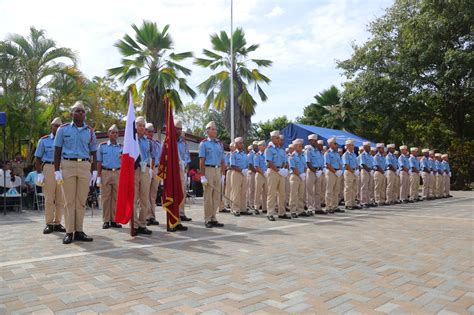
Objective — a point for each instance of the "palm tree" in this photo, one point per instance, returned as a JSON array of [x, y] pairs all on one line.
[[150, 52], [217, 86], [37, 60]]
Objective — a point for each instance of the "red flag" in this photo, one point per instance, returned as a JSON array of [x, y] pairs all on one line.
[[126, 188], [168, 170]]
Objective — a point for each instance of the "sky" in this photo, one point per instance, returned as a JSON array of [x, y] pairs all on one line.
[[303, 38]]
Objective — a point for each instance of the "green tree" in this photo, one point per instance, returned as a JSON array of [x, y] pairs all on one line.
[[217, 86], [37, 59], [192, 116], [261, 130], [148, 58]]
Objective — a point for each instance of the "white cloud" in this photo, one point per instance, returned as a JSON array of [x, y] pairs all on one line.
[[276, 11]]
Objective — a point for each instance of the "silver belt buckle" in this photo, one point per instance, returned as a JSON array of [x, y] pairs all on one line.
[[79, 160], [113, 170]]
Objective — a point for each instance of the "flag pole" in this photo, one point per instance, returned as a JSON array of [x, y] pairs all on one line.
[[132, 219], [232, 122]]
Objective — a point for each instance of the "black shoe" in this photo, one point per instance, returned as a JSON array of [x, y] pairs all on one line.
[[67, 238], [356, 208], [105, 225], [310, 213], [248, 212], [179, 227], [339, 210], [256, 212], [320, 212], [331, 211], [224, 210], [144, 230], [305, 207], [410, 201], [323, 205], [48, 229], [264, 211], [59, 228], [152, 221], [236, 214], [81, 236], [209, 225], [294, 216], [303, 214], [349, 208], [115, 225], [285, 216], [286, 209], [217, 224], [185, 218], [366, 206], [270, 218]]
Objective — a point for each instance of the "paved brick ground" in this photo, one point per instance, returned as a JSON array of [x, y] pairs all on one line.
[[416, 258]]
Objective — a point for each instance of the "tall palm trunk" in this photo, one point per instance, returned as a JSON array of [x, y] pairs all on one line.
[[153, 107]]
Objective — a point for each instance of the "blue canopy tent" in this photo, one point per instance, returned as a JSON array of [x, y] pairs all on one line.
[[294, 131]]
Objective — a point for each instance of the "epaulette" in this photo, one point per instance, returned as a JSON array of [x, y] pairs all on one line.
[[105, 142], [65, 124], [204, 140], [44, 137]]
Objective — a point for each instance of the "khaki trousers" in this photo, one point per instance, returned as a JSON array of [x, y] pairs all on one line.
[[76, 188], [364, 187], [404, 185], [438, 186], [426, 184], [447, 185], [108, 192], [391, 186], [155, 183], [358, 187], [250, 189], [287, 190], [227, 188], [53, 198], [212, 193], [276, 189], [313, 190], [397, 187], [432, 185], [333, 183], [261, 191], [380, 186], [350, 188], [341, 189], [296, 194], [182, 175], [372, 187], [142, 197], [238, 192], [414, 185]]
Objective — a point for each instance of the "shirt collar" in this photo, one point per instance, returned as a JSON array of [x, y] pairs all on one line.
[[51, 135], [84, 125]]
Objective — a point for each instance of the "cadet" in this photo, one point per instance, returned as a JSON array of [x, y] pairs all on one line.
[[391, 174], [143, 174], [238, 181], [211, 163], [373, 151], [314, 173], [404, 167], [155, 155], [379, 176], [366, 166], [434, 170], [360, 149], [397, 179], [227, 187], [414, 174], [351, 172], [276, 174], [333, 162], [108, 173], [341, 182], [251, 175], [75, 143], [184, 160], [323, 149], [447, 177], [288, 152], [297, 167], [425, 167], [438, 176], [54, 203], [261, 186]]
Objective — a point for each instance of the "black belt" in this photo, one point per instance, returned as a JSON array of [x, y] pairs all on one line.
[[46, 162], [214, 166], [77, 159], [111, 169]]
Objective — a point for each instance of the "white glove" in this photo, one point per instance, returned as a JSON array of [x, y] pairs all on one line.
[[410, 172], [398, 172], [303, 176], [283, 172], [449, 174], [319, 173], [338, 173], [245, 171], [59, 177], [432, 173], [98, 182], [386, 173], [357, 173], [150, 172], [372, 172], [39, 180], [93, 178], [222, 179], [204, 180]]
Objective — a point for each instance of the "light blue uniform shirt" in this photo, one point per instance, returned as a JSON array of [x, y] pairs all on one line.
[[145, 149], [183, 151], [366, 159], [446, 166], [109, 154], [379, 161], [259, 161], [414, 163], [349, 158], [76, 142], [156, 147], [391, 159], [275, 155], [250, 156], [45, 149], [239, 159], [227, 159], [315, 158], [297, 161], [212, 151], [439, 166], [433, 165], [31, 178], [403, 162], [425, 163], [333, 158]]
